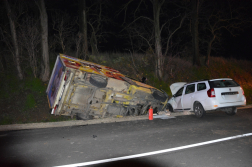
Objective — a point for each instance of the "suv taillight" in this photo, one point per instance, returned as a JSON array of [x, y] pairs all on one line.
[[242, 91], [211, 92]]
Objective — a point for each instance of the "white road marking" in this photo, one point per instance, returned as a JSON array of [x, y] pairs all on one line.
[[155, 152]]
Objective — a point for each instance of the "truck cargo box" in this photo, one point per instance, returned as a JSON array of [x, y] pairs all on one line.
[[89, 90]]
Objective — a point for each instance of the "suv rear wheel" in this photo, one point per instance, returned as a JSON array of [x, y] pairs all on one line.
[[199, 110], [231, 111]]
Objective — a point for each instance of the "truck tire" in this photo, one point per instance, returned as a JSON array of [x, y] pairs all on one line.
[[98, 81], [159, 96]]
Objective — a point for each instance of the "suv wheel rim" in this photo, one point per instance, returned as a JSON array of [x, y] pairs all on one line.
[[198, 110]]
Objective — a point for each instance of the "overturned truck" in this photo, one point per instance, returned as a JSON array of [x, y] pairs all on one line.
[[89, 90]]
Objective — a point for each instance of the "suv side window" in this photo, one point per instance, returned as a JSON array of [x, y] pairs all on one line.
[[179, 92], [190, 89], [201, 86]]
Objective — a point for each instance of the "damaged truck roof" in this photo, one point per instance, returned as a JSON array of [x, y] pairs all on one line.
[[89, 90]]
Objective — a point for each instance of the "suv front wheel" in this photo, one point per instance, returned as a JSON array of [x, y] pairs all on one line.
[[170, 108], [199, 110]]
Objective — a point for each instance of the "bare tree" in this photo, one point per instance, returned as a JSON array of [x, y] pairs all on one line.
[[97, 22], [93, 19], [30, 36], [14, 40], [157, 4], [141, 37], [63, 25], [3, 56], [83, 27], [78, 41], [44, 39], [224, 15], [153, 38], [195, 32]]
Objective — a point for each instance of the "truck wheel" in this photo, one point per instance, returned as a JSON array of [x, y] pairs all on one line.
[[159, 96], [232, 111], [199, 110], [98, 81]]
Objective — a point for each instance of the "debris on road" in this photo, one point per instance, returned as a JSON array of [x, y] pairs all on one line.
[[163, 116]]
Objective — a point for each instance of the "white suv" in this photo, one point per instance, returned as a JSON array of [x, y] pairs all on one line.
[[206, 95]]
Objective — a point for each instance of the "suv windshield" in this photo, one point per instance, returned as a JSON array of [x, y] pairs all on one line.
[[179, 92], [223, 83]]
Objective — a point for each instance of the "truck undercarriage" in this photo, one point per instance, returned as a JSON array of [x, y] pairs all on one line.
[[89, 95]]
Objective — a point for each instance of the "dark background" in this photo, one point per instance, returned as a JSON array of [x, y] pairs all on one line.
[[116, 40]]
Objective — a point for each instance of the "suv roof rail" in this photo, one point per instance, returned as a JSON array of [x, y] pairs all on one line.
[[198, 80]]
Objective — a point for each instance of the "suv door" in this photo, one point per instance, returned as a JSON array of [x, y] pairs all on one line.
[[188, 96], [176, 99]]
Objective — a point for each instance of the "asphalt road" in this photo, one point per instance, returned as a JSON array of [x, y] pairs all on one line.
[[89, 143]]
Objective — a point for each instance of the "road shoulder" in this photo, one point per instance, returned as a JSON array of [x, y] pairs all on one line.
[[88, 122]]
